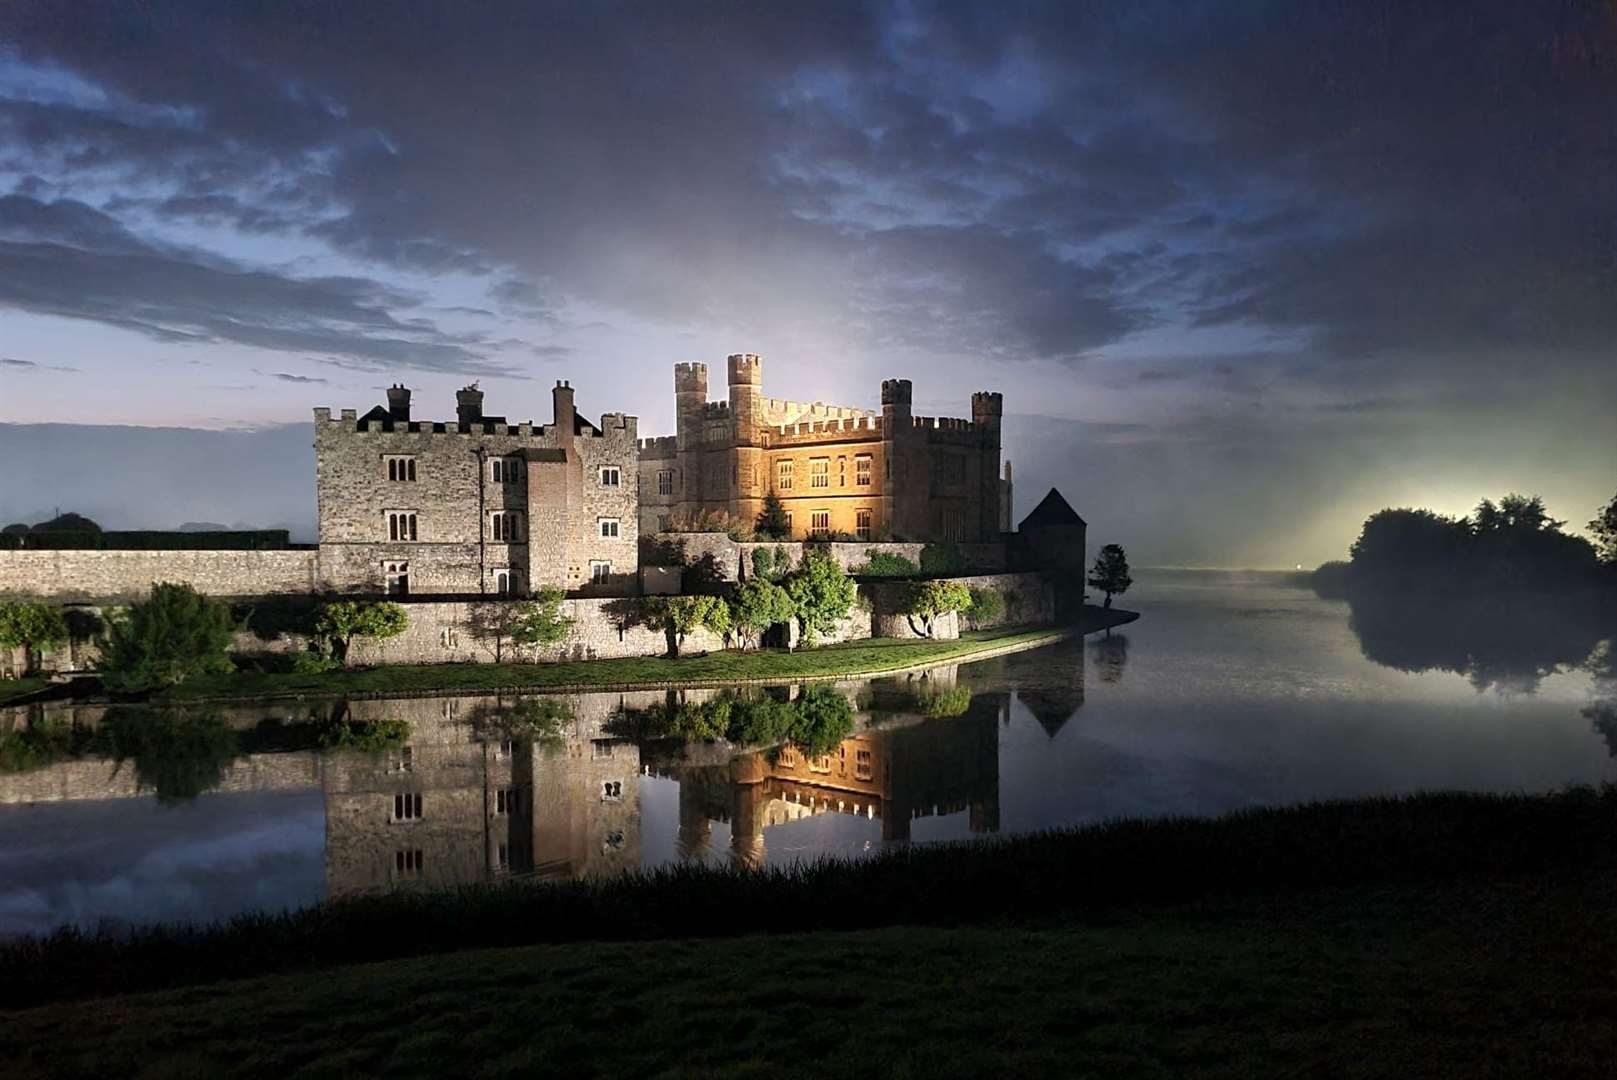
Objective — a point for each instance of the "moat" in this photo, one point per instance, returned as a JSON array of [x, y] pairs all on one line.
[[1235, 690]]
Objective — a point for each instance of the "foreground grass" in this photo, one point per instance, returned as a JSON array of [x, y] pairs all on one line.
[[1507, 978], [1407, 844], [12, 689], [856, 658]]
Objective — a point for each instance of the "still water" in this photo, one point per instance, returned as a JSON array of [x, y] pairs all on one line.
[[1232, 690]]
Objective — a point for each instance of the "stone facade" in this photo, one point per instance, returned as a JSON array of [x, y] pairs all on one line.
[[477, 506], [837, 470], [84, 576]]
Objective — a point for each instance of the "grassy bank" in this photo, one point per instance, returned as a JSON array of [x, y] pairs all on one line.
[[855, 658], [1505, 978], [16, 689], [1407, 845]]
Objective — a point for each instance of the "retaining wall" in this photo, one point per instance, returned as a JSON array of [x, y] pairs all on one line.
[[110, 576]]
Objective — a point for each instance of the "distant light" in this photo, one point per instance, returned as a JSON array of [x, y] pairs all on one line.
[[1299, 566]]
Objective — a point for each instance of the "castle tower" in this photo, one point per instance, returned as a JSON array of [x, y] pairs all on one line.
[[398, 403], [690, 397], [896, 395], [746, 413], [469, 406], [987, 415], [564, 411]]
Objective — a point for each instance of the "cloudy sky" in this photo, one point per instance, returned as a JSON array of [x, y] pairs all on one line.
[[1245, 272]]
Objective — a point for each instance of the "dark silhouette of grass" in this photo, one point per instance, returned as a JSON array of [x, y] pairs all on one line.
[[1412, 843]]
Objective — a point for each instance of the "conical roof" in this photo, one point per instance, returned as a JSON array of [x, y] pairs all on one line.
[[1052, 510]]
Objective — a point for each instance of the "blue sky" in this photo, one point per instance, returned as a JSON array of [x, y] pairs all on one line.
[[1244, 272]]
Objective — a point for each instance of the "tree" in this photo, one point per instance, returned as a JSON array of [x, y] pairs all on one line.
[[1515, 511], [34, 627], [540, 621], [1604, 529], [929, 601], [69, 522], [772, 522], [16, 528], [679, 615], [341, 622], [1110, 574], [757, 605], [821, 593], [987, 605], [175, 634], [763, 563]]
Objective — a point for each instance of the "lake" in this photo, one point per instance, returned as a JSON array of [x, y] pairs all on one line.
[[1233, 690]]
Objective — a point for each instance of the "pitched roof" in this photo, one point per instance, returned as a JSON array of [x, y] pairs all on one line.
[[1052, 510]]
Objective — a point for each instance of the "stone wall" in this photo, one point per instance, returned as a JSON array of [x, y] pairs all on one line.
[[113, 576], [733, 561], [1030, 599]]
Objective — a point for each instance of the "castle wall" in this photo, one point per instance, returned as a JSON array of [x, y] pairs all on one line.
[[116, 576]]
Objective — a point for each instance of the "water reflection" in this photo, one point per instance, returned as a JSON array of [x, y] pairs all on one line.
[[1109, 655]]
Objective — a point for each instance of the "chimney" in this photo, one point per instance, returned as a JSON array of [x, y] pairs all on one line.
[[566, 413], [398, 403], [469, 406]]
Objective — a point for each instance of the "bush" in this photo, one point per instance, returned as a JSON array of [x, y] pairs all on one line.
[[821, 594], [364, 736], [34, 627], [942, 559], [312, 662], [887, 564], [987, 605], [930, 600], [173, 635], [756, 606], [763, 563]]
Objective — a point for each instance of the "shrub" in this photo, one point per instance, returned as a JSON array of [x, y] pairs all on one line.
[[175, 634], [34, 627], [930, 600], [942, 559], [344, 620], [763, 563], [365, 736], [756, 606], [987, 605], [540, 621], [887, 564], [312, 662], [821, 594]]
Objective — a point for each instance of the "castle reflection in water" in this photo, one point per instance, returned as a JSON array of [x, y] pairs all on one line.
[[462, 801]]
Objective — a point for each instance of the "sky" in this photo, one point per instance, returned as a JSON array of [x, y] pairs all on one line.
[[1245, 273]]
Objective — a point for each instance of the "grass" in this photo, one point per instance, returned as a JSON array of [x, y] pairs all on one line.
[[1406, 844], [12, 689], [1505, 978], [869, 657]]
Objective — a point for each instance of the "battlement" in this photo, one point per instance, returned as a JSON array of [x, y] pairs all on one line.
[[948, 429], [690, 378], [896, 391], [746, 369], [660, 447], [844, 428], [612, 425], [987, 403]]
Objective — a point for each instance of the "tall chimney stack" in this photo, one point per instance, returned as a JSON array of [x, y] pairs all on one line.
[[398, 402], [565, 411], [469, 406]]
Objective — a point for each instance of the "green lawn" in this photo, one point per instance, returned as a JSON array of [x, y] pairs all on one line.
[[1499, 979], [12, 689], [870, 657]]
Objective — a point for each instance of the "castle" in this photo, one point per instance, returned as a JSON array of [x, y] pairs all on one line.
[[839, 472], [480, 506]]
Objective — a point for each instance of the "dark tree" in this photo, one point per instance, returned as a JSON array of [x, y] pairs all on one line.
[[174, 634], [14, 529], [772, 523], [1604, 530], [69, 522], [1110, 574]]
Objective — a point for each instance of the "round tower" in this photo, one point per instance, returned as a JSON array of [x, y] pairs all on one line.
[[746, 383], [690, 398]]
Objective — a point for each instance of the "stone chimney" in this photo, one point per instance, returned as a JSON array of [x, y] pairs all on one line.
[[398, 403], [469, 406], [565, 412]]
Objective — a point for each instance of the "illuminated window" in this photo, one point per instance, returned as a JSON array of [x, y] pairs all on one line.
[[819, 472], [861, 524], [819, 522], [401, 525], [861, 765], [783, 475], [401, 468], [861, 470]]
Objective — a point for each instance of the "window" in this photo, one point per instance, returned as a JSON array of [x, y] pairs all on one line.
[[507, 800], [861, 470], [819, 522], [861, 765], [664, 521], [861, 524], [609, 528], [610, 476], [505, 526], [505, 470], [600, 748], [819, 472], [448, 637], [409, 862], [788, 521], [404, 759], [612, 791], [504, 582], [407, 806], [665, 481], [600, 572], [397, 576], [401, 525], [504, 857], [783, 475], [842, 472], [400, 468]]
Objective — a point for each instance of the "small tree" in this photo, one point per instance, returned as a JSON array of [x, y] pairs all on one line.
[[987, 605], [763, 563], [34, 627], [1110, 574], [928, 601], [772, 522], [175, 634], [821, 593], [756, 606], [1604, 530], [540, 621], [679, 615], [341, 622]]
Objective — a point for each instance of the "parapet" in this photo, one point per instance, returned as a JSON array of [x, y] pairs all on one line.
[[746, 369], [690, 378], [811, 431], [896, 392], [987, 403]]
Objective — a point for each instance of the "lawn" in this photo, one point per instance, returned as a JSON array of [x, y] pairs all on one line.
[[1503, 978], [11, 689], [870, 657]]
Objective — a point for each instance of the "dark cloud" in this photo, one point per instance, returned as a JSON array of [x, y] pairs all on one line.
[[13, 364], [284, 377]]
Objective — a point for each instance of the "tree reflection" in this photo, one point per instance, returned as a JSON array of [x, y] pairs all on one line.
[[176, 754], [1109, 654]]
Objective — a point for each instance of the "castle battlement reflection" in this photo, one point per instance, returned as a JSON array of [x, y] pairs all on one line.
[[466, 799]]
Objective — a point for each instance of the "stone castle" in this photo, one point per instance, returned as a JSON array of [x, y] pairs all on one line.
[[838, 471]]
